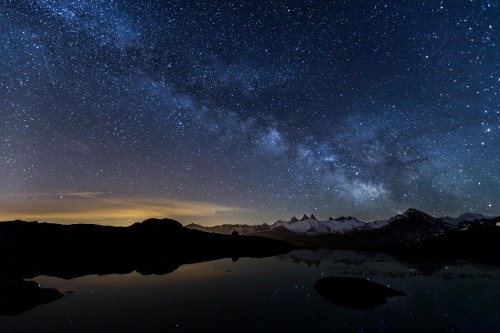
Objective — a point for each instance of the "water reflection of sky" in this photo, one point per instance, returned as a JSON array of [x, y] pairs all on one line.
[[270, 294]]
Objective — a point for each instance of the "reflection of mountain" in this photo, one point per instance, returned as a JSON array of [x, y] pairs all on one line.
[[157, 246], [355, 293], [19, 296], [377, 264], [317, 256]]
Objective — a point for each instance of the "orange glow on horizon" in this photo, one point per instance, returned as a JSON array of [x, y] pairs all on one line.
[[96, 208]]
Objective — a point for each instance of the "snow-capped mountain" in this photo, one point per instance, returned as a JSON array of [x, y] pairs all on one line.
[[315, 227], [306, 225], [377, 224], [310, 225], [412, 225]]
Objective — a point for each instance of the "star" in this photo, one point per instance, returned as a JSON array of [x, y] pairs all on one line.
[[262, 110]]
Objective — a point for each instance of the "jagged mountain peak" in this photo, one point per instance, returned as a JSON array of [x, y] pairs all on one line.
[[305, 217]]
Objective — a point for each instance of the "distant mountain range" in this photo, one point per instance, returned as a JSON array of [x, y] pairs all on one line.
[[348, 232]]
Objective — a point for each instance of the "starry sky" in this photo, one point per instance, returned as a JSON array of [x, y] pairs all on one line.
[[247, 112]]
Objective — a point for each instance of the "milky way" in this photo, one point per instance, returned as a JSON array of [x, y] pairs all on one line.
[[248, 112]]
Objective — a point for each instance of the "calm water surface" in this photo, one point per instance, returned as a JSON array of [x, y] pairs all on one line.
[[272, 294]]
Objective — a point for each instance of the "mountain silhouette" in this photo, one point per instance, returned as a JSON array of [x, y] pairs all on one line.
[[156, 246]]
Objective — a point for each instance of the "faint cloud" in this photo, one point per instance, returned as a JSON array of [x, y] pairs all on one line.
[[89, 207]]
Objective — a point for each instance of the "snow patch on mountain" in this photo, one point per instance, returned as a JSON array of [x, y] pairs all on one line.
[[377, 224], [313, 226]]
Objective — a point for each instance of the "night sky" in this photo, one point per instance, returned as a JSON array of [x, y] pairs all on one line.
[[247, 112]]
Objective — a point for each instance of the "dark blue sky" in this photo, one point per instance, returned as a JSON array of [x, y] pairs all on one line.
[[225, 111]]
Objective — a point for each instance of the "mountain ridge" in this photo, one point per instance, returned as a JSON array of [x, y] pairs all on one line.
[[410, 226]]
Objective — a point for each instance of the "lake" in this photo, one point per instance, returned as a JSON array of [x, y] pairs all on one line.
[[277, 294]]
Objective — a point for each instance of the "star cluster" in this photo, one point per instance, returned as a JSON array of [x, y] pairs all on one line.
[[262, 109]]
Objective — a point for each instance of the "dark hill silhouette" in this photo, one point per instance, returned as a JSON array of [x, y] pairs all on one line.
[[156, 246], [157, 225]]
